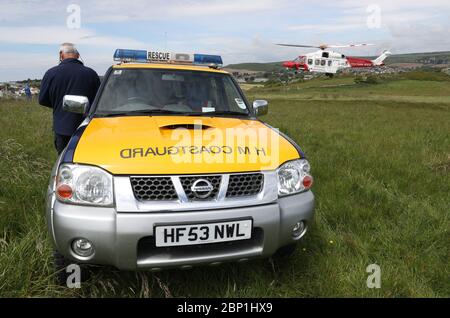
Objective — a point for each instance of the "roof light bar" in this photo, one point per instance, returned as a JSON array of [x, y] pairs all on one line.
[[130, 55], [143, 56], [207, 59]]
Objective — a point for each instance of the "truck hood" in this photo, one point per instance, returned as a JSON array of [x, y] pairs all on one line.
[[154, 145]]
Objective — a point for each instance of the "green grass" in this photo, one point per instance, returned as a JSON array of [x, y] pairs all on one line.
[[382, 181]]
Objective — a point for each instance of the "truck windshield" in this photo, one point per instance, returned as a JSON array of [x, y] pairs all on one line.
[[161, 91]]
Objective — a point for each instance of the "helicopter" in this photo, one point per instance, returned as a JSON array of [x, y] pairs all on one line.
[[330, 62]]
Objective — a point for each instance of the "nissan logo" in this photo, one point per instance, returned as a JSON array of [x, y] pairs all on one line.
[[202, 188]]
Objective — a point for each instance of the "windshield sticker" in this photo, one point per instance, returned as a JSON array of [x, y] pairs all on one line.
[[173, 77], [208, 109], [240, 103], [118, 72]]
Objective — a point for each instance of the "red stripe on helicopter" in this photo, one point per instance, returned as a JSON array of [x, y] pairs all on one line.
[[359, 62]]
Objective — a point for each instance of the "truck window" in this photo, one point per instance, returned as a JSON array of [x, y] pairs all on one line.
[[172, 90]]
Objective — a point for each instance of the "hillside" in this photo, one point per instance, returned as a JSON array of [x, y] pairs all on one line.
[[429, 58], [257, 67]]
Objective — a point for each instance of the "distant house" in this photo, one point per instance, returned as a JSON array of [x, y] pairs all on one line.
[[16, 90], [260, 80], [434, 60]]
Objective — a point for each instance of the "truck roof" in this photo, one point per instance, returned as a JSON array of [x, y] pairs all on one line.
[[169, 66]]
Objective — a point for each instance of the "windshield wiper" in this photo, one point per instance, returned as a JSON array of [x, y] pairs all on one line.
[[226, 112], [147, 112]]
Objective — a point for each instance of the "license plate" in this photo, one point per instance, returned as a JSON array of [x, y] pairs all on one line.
[[192, 234]]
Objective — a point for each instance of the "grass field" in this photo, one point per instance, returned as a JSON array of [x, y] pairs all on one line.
[[381, 160]]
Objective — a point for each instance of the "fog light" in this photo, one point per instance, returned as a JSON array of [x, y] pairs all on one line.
[[299, 229], [83, 247]]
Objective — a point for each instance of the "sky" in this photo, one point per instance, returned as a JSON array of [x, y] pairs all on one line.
[[239, 30]]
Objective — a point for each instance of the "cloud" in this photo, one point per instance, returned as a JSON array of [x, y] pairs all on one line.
[[404, 27], [23, 65], [235, 49], [241, 31], [102, 11], [428, 36], [394, 5], [15, 61], [332, 27], [357, 18], [58, 34]]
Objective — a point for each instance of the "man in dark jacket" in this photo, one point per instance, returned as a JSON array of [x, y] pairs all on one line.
[[70, 77]]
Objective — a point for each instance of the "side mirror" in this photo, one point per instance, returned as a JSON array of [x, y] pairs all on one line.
[[261, 107], [75, 104]]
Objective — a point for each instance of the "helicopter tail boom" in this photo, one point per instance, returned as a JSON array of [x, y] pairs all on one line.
[[379, 60]]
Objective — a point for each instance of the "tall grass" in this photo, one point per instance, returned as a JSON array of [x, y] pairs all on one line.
[[382, 185]]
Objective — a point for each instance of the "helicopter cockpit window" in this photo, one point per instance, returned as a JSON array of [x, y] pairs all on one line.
[[325, 54], [300, 59]]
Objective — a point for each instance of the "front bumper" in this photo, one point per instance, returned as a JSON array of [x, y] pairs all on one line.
[[125, 240]]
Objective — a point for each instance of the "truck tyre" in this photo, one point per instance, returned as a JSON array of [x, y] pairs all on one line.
[[285, 251]]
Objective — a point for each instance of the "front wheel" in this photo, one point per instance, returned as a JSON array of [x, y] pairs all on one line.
[[285, 251]]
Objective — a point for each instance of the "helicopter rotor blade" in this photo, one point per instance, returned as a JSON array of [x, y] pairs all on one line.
[[298, 45], [350, 45], [325, 46]]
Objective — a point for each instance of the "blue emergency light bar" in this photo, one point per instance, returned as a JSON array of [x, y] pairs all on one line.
[[143, 56], [130, 55], [207, 59]]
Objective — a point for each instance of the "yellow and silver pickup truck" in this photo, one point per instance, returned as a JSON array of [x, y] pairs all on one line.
[[172, 168]]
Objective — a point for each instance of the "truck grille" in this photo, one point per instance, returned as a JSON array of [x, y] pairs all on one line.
[[244, 185], [153, 188], [188, 182], [162, 188]]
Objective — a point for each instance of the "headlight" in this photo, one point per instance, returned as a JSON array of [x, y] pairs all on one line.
[[84, 185], [294, 176]]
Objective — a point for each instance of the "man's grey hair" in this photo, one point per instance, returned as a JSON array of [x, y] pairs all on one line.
[[68, 48]]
